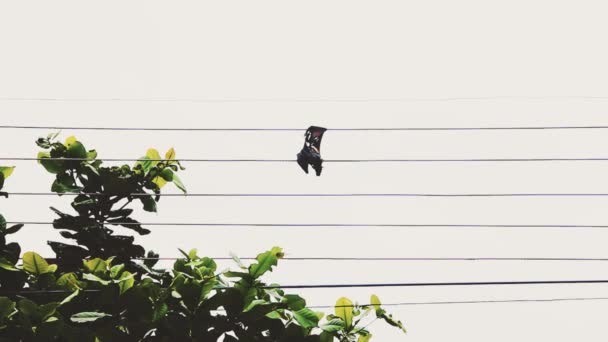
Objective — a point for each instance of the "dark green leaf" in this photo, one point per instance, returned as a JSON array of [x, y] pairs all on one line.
[[85, 317]]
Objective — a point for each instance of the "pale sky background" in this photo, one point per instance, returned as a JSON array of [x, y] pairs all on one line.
[[341, 64]]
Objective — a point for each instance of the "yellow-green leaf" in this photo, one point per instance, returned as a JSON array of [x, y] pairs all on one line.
[[96, 265], [7, 170], [170, 155], [69, 281], [344, 310], [375, 301], [34, 263], [179, 184], [153, 154], [365, 338], [126, 281], [70, 140], [160, 181]]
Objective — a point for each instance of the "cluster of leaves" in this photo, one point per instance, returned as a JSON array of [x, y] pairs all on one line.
[[103, 196], [106, 302], [9, 252], [101, 289]]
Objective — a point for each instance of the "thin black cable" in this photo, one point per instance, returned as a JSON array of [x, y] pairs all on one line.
[[497, 301], [440, 284], [408, 259], [337, 225], [319, 194], [334, 286], [287, 258], [307, 99], [261, 160], [227, 129]]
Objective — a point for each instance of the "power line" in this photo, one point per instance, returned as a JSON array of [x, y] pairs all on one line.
[[261, 160], [406, 259], [439, 284], [262, 129], [369, 285], [414, 259], [317, 194], [337, 225], [309, 99], [498, 301]]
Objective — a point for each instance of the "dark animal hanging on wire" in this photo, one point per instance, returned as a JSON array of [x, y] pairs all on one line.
[[311, 152]]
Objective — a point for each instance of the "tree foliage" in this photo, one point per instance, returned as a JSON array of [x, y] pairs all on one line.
[[101, 289]]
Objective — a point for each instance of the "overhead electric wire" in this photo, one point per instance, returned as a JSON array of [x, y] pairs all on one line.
[[308, 99], [338, 225], [263, 160], [394, 304], [377, 285], [490, 301], [439, 284], [414, 259], [270, 129], [315, 194]]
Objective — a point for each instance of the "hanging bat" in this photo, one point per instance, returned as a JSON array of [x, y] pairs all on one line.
[[311, 152]]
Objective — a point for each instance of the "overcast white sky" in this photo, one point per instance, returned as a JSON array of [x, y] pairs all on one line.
[[341, 64]]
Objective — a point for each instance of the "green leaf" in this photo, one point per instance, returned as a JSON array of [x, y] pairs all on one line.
[[306, 318], [76, 150], [34, 263], [115, 271], [365, 338], [149, 203], [333, 325], [326, 337], [126, 282], [69, 281], [178, 183], [85, 317], [64, 183], [170, 155], [70, 141], [7, 265], [344, 310], [7, 307], [47, 310], [274, 315], [2, 223], [28, 308], [96, 266], [192, 254], [153, 154], [92, 154], [294, 302], [375, 301], [159, 181], [160, 311], [265, 262], [167, 174], [94, 278], [7, 171], [146, 164], [14, 229], [255, 303], [237, 260], [70, 297], [52, 166]]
